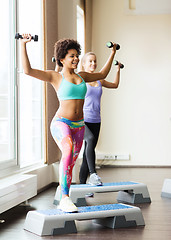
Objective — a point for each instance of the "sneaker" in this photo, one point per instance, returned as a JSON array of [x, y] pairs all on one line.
[[66, 205], [95, 180], [89, 195]]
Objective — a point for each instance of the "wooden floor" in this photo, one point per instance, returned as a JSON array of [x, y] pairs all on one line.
[[157, 215]]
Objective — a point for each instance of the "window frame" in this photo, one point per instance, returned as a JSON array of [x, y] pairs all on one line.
[[11, 166]]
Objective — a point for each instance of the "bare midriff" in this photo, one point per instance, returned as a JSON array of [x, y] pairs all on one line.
[[71, 109]]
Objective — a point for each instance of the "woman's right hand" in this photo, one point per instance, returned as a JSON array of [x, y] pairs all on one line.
[[114, 47], [26, 38]]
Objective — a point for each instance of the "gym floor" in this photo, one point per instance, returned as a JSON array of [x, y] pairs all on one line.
[[157, 215]]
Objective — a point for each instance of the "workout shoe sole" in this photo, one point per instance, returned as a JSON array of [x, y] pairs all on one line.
[[89, 195], [97, 184], [66, 205]]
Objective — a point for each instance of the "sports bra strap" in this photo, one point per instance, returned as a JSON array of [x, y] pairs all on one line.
[[80, 77], [76, 73], [62, 75]]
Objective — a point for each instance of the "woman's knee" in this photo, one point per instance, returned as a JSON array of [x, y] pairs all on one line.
[[91, 141]]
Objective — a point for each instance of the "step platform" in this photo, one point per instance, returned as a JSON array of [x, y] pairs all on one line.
[[166, 189], [55, 221], [128, 192]]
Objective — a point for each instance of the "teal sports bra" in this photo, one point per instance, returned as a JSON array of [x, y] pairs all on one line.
[[68, 90]]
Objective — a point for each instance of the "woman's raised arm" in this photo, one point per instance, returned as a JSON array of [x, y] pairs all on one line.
[[47, 76], [90, 77]]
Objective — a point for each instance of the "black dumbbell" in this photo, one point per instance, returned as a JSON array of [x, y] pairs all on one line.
[[35, 37], [53, 59], [110, 44], [116, 63]]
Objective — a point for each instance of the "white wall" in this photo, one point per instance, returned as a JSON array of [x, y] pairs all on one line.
[[136, 118], [67, 14]]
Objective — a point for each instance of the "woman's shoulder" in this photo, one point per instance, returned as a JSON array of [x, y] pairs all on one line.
[[102, 82], [56, 79], [81, 73], [56, 75]]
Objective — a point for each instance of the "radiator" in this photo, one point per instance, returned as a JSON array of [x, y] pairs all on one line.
[[16, 189]]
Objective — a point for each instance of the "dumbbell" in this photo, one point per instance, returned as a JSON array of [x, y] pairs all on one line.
[[35, 37], [53, 59], [110, 44], [116, 63]]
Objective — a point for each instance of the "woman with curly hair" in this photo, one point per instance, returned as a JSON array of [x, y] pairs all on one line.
[[67, 126]]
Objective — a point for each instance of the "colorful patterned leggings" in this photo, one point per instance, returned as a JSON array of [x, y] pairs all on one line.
[[68, 135]]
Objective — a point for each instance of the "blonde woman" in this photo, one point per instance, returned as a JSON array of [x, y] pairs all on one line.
[[92, 118]]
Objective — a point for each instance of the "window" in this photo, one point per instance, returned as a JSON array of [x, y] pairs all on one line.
[[7, 84], [30, 90], [20, 95]]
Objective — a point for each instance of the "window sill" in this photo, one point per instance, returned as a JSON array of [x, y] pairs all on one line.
[[13, 170], [31, 168]]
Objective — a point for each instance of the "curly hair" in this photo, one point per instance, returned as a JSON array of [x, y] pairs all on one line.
[[62, 46]]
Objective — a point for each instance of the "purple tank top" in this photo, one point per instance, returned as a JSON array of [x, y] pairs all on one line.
[[92, 104]]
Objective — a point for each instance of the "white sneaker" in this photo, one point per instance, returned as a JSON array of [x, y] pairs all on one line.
[[95, 180], [66, 205], [89, 195]]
